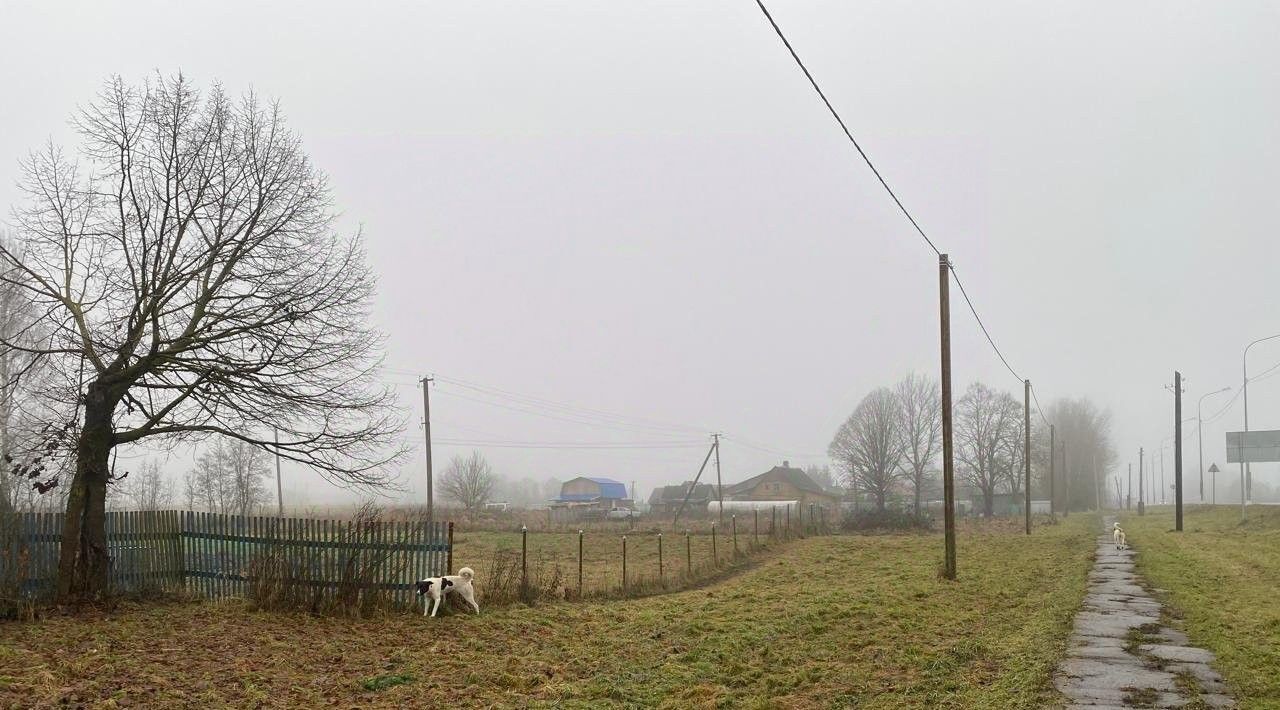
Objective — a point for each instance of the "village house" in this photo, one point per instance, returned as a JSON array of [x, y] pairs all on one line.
[[587, 497], [782, 483], [666, 500]]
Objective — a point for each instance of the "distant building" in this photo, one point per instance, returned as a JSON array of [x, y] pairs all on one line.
[[666, 500], [587, 497], [497, 505], [782, 483]]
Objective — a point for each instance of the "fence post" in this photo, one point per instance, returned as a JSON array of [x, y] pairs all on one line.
[[755, 535], [733, 522], [579, 564], [688, 553], [449, 561], [773, 522], [524, 564], [715, 558], [624, 565], [788, 529], [812, 519], [660, 558]]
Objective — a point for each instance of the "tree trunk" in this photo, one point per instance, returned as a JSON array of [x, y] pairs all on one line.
[[919, 480], [988, 502], [83, 562]]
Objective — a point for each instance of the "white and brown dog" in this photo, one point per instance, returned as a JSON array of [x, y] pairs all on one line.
[[434, 589], [1117, 536]]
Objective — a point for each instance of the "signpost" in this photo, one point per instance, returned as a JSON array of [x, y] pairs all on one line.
[[1245, 447]]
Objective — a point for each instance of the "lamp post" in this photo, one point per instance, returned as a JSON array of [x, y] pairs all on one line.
[[1244, 367], [1213, 468], [1200, 435]]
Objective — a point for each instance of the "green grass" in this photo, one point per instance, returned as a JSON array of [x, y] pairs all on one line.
[[870, 624], [1222, 578]]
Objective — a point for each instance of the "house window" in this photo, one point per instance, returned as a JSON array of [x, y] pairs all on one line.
[[775, 487]]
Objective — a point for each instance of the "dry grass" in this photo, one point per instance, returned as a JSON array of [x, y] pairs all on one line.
[[873, 626], [1222, 578], [553, 561]]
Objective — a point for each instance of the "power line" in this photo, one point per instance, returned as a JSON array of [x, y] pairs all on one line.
[[813, 82], [982, 325], [575, 445], [848, 134]]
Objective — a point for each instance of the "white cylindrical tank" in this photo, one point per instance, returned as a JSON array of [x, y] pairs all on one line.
[[736, 505]]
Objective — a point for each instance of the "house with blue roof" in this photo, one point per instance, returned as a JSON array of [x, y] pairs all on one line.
[[588, 493]]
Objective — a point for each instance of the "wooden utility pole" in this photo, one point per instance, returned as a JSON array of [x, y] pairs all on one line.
[[719, 485], [948, 462], [1066, 483], [1026, 450], [279, 489], [1177, 449], [426, 425], [1053, 455], [711, 449], [1128, 498], [1142, 507]]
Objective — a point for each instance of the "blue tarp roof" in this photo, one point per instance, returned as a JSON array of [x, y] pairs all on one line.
[[609, 488]]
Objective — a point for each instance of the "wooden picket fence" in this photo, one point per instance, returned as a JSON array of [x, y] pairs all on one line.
[[219, 556]]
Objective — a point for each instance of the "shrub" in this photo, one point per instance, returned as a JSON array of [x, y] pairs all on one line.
[[888, 519]]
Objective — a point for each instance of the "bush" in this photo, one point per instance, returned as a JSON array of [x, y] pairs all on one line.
[[888, 519]]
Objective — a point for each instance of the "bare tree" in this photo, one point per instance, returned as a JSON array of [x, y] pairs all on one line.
[[920, 405], [869, 446], [468, 481], [190, 282], [986, 421], [1084, 429], [229, 478], [146, 487], [822, 476]]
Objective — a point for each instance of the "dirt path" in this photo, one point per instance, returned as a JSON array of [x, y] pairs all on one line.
[[1121, 655]]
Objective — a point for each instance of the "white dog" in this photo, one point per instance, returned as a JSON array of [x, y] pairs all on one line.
[[1117, 536], [431, 591], [435, 589]]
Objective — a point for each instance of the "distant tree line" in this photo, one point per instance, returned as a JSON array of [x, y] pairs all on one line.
[[893, 439]]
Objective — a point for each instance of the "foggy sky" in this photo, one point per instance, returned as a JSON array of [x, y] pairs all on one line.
[[642, 208]]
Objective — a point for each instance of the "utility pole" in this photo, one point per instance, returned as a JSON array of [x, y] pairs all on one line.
[[1066, 483], [1141, 500], [1053, 454], [719, 487], [1200, 436], [1098, 483], [279, 491], [1161, 473], [1128, 498], [1026, 451], [948, 463], [426, 425], [1177, 449]]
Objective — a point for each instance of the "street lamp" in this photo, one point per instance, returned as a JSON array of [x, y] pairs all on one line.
[[1213, 468], [1245, 469], [1200, 436]]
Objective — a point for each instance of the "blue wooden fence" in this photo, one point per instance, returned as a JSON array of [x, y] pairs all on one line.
[[218, 556]]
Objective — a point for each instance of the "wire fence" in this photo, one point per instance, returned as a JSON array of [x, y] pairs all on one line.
[[526, 565]]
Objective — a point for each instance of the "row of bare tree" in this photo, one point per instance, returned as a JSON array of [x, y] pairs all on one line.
[[893, 438]]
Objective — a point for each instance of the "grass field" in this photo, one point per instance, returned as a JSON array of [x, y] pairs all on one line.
[[822, 622], [601, 555], [1222, 578]]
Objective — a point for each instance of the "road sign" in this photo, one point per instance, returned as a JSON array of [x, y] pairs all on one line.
[[1253, 446]]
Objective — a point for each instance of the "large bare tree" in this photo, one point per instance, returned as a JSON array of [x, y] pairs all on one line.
[[920, 405], [190, 282], [469, 481], [868, 446], [987, 421]]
